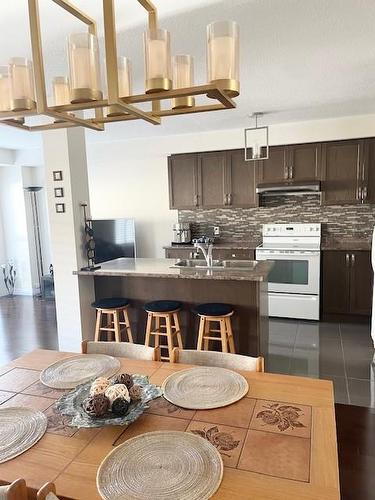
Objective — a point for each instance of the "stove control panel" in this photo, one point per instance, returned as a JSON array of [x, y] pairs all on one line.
[[291, 230]]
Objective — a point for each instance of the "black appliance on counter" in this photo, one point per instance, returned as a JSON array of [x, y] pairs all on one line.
[[114, 238]]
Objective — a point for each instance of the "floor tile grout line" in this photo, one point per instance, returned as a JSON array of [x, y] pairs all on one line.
[[345, 371]]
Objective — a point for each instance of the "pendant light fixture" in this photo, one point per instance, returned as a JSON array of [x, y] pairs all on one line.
[[256, 141], [166, 80]]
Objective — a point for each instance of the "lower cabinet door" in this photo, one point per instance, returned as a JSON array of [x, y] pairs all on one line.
[[361, 283], [335, 282]]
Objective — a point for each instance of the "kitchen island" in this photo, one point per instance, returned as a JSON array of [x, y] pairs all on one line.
[[144, 280]]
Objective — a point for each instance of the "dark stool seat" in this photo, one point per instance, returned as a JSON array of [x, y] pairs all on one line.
[[110, 303], [163, 306], [214, 309]]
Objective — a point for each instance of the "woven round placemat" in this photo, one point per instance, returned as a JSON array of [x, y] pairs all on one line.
[[70, 372], [161, 465], [20, 429], [204, 387]]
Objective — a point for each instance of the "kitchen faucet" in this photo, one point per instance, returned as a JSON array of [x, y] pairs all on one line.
[[206, 246]]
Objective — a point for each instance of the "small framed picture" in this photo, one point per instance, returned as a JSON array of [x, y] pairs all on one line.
[[60, 208], [59, 192], [57, 175]]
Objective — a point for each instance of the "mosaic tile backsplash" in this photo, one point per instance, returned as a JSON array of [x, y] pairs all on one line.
[[344, 221]]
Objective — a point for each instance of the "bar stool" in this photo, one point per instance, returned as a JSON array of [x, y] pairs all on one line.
[[167, 310], [215, 313], [115, 311]]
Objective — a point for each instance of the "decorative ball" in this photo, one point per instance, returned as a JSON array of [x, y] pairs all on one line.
[[99, 386], [117, 391], [120, 407], [135, 392], [124, 378], [96, 406]]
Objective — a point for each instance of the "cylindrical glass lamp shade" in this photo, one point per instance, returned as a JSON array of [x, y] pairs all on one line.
[[21, 84], [124, 83], [4, 89], [223, 56], [124, 76], [157, 60], [83, 54], [61, 90], [183, 76]]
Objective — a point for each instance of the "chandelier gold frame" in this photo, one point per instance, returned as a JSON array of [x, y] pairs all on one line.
[[126, 106]]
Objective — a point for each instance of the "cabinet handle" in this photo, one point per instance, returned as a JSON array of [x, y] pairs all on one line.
[[286, 172], [347, 260], [364, 193], [353, 259], [359, 194], [291, 172]]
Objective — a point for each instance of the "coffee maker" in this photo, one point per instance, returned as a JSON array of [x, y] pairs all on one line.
[[181, 233]]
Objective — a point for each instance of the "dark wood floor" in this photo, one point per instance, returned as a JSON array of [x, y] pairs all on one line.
[[27, 324], [356, 446]]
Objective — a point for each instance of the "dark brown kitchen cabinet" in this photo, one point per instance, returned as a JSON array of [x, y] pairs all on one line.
[[275, 168], [212, 180], [298, 162], [303, 162], [343, 171], [347, 282], [240, 181], [183, 181]]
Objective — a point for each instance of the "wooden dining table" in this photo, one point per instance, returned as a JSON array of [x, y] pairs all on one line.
[[278, 442]]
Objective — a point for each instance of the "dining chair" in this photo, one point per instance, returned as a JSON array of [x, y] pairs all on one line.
[[47, 492], [14, 491], [217, 358], [122, 350]]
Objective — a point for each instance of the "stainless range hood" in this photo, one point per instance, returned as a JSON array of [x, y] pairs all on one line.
[[288, 188]]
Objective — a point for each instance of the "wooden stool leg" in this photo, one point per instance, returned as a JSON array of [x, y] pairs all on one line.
[[200, 333], [228, 323], [206, 342], [169, 336], [176, 322], [98, 324], [148, 329], [116, 322], [223, 332], [157, 329], [127, 325]]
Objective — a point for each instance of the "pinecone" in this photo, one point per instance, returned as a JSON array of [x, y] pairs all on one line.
[[135, 393]]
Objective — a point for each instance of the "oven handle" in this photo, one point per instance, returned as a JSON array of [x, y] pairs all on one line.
[[274, 256]]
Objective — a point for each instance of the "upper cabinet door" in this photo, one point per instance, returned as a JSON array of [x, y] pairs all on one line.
[[240, 180], [304, 162], [183, 176], [275, 168], [211, 179], [342, 163]]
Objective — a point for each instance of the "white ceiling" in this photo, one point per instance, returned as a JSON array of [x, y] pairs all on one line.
[[300, 59]]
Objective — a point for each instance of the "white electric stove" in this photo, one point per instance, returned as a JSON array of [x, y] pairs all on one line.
[[294, 281]]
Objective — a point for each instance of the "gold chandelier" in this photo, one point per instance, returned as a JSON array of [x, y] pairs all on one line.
[[23, 88]]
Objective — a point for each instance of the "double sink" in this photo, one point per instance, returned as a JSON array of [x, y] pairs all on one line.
[[233, 265]]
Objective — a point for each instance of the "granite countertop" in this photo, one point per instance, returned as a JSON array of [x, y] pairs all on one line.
[[225, 245], [161, 268], [346, 244]]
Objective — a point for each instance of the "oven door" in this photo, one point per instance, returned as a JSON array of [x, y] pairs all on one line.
[[294, 271]]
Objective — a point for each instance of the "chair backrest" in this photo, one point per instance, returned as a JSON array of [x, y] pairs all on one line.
[[14, 491], [121, 350], [220, 359], [47, 492]]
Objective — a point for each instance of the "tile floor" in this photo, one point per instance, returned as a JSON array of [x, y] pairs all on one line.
[[342, 352]]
